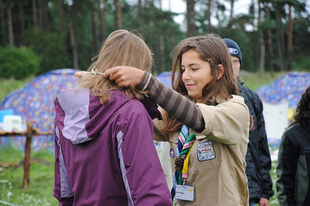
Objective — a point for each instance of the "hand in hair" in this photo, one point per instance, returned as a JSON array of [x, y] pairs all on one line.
[[80, 74], [124, 76]]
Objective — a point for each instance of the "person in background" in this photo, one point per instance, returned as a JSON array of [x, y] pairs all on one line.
[[104, 151], [204, 120], [293, 168], [258, 156]]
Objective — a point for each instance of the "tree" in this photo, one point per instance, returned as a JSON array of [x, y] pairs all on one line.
[[118, 14], [261, 67], [10, 23], [190, 17]]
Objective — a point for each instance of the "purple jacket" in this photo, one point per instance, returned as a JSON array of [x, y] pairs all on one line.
[[105, 155]]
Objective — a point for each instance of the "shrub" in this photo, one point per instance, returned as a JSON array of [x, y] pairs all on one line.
[[18, 63], [51, 48]]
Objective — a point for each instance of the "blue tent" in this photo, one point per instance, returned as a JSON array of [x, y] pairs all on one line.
[[288, 88], [35, 102], [165, 77]]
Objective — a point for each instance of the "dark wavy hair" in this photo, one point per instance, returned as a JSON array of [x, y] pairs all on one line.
[[212, 49], [302, 110]]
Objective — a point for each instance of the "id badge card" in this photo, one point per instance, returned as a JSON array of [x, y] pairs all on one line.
[[184, 192]]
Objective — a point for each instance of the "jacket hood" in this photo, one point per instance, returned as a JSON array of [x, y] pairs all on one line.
[[85, 117]]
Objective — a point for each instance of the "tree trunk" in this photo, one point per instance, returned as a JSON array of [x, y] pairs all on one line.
[[280, 38], [34, 14], [10, 23], [100, 12], [41, 13], [118, 15], [73, 46], [190, 17], [94, 33], [46, 22], [104, 29], [139, 13], [290, 39], [261, 43], [231, 16], [22, 23], [218, 18], [209, 17], [269, 42], [2, 23], [61, 15]]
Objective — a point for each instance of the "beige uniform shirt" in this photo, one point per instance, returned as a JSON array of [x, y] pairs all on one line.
[[217, 164]]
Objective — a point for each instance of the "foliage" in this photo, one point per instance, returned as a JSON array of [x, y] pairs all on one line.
[[51, 48], [19, 63], [301, 63]]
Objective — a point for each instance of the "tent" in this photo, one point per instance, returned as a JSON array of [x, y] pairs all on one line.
[[280, 100], [35, 102], [165, 77], [288, 88]]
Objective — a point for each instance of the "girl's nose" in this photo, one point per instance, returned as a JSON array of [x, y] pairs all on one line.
[[185, 75]]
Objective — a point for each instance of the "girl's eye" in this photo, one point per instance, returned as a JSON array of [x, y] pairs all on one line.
[[194, 69]]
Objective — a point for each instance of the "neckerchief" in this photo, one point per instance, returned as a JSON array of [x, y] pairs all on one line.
[[185, 142]]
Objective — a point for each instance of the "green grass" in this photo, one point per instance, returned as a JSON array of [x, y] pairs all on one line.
[[40, 191], [273, 200], [255, 80], [9, 85]]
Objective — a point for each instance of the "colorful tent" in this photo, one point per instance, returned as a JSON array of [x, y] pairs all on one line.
[[288, 88], [165, 77], [35, 102], [280, 100]]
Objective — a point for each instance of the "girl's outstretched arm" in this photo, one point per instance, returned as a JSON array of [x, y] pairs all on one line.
[[174, 103]]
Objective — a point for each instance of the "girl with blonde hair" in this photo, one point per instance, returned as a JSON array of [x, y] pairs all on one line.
[[104, 151]]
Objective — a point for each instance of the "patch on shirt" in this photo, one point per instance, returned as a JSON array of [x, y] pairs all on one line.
[[205, 151], [171, 153]]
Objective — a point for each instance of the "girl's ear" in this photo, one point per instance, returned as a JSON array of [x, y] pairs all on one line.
[[221, 71]]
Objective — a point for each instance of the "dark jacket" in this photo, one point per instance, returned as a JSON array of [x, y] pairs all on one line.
[[258, 156], [293, 169], [105, 155]]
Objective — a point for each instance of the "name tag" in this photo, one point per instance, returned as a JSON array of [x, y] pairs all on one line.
[[184, 192]]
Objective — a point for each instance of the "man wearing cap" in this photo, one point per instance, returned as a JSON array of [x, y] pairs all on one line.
[[258, 156]]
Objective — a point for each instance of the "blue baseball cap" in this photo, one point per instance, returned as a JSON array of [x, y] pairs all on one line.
[[233, 48]]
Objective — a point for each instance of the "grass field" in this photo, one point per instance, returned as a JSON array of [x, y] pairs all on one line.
[[40, 192]]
